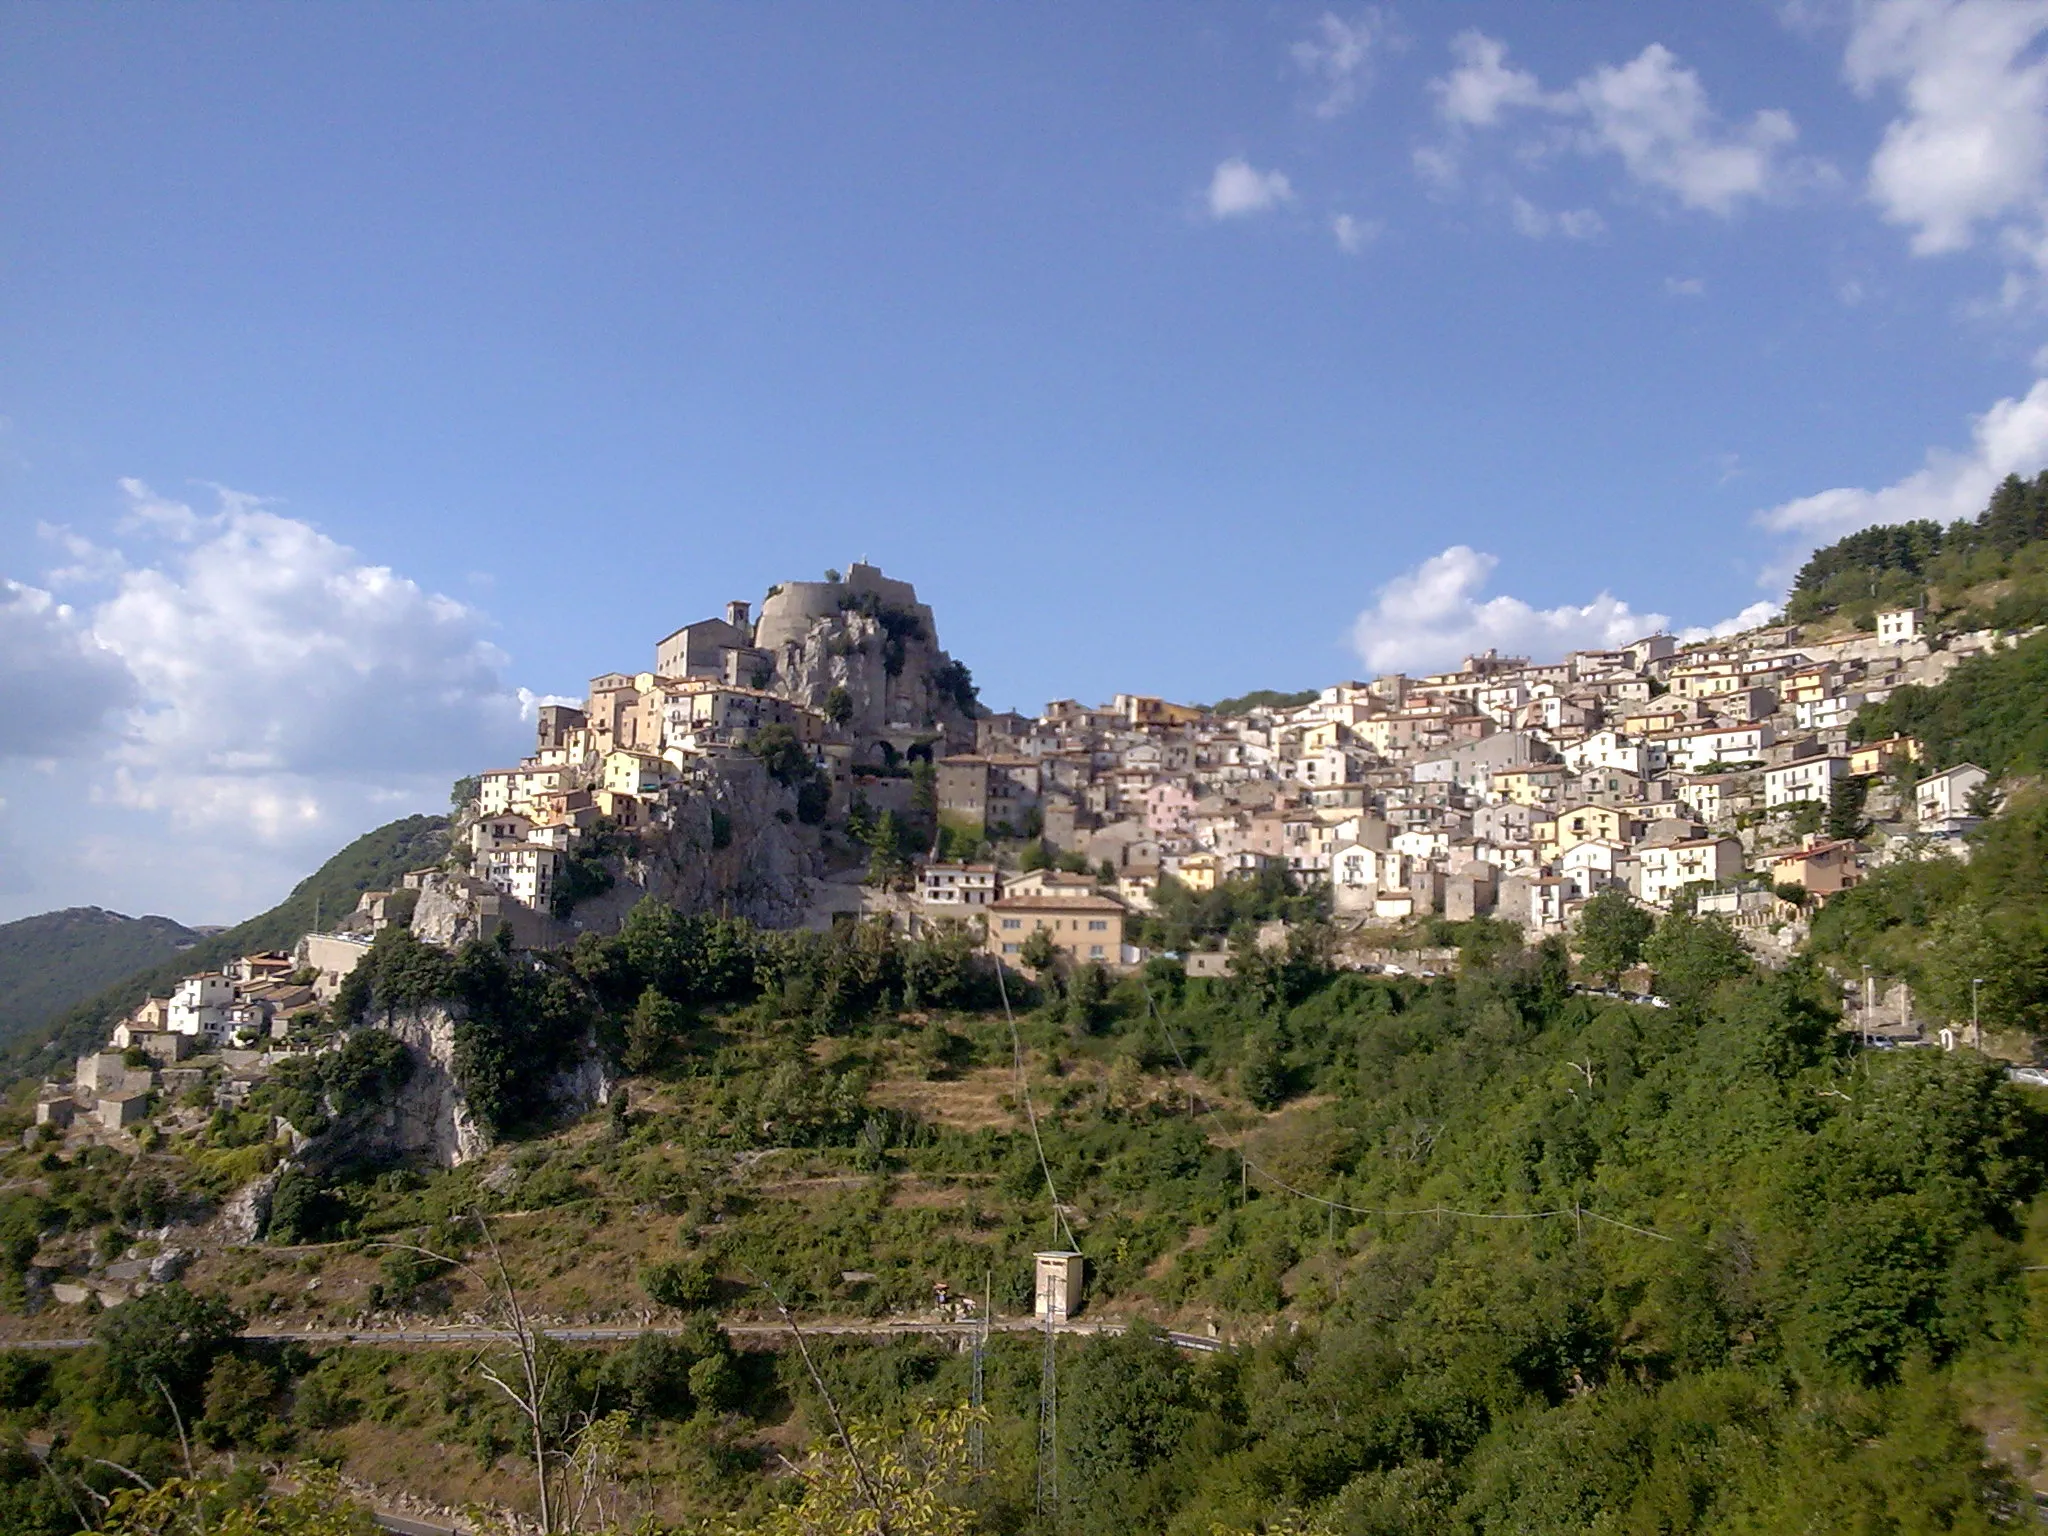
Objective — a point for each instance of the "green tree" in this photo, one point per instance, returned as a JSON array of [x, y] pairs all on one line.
[[239, 1396], [783, 754], [1845, 821], [167, 1335], [1038, 951], [653, 1031], [1087, 992], [838, 705], [1692, 956], [685, 1284], [887, 863], [1611, 934], [1125, 1405]]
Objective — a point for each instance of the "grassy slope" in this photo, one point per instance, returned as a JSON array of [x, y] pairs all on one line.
[[55, 959], [373, 861]]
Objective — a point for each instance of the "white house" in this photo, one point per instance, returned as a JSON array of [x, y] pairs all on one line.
[[1668, 868], [199, 1005], [1610, 749], [1359, 872], [952, 886], [1901, 625], [1830, 712], [1942, 800], [1690, 751], [1808, 778], [1592, 865], [526, 872]]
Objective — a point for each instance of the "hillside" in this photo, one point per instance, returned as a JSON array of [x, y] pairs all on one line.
[[373, 861], [1983, 572], [1496, 1255], [53, 960], [1992, 711]]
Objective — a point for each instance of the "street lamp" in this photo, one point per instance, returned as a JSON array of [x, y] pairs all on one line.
[[1976, 1035]]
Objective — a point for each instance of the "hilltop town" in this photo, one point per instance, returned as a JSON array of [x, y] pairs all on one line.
[[1720, 776]]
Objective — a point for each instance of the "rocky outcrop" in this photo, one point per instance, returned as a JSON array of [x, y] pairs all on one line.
[[871, 637], [247, 1211], [728, 841], [428, 1118]]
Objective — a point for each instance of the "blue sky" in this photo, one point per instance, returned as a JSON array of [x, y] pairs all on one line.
[[363, 366]]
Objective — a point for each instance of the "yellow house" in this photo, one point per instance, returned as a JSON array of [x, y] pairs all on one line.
[[1878, 756], [1322, 735], [1810, 683], [1581, 824], [1083, 928], [1199, 871], [1540, 785], [634, 773]]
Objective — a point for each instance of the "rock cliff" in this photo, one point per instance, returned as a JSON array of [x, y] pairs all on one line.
[[728, 842], [870, 636], [428, 1118]]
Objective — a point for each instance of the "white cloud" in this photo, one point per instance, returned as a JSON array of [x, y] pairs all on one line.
[[58, 685], [1429, 618], [1483, 86], [1970, 151], [263, 646], [2010, 438], [1353, 235], [1339, 56], [1755, 615], [247, 694], [1685, 287], [1652, 113], [1237, 190], [1540, 223]]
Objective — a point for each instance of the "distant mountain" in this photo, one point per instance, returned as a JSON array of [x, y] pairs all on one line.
[[49, 962], [373, 862]]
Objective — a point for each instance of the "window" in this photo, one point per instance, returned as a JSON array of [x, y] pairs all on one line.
[[1013, 922], [1098, 925], [1095, 950], [1009, 949]]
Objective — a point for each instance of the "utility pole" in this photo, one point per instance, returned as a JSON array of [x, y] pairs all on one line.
[[1049, 1425], [974, 1440], [1976, 1033], [1866, 1006]]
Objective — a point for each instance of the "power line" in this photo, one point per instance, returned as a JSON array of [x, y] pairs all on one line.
[[1059, 1218]]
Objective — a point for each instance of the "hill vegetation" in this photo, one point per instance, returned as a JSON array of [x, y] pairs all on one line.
[[1500, 1255], [1991, 711], [53, 960], [372, 862], [1991, 570], [1264, 698]]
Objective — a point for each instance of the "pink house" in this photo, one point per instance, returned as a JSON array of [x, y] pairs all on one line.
[[1169, 808]]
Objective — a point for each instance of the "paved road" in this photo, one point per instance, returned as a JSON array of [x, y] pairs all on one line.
[[405, 1525], [612, 1335]]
